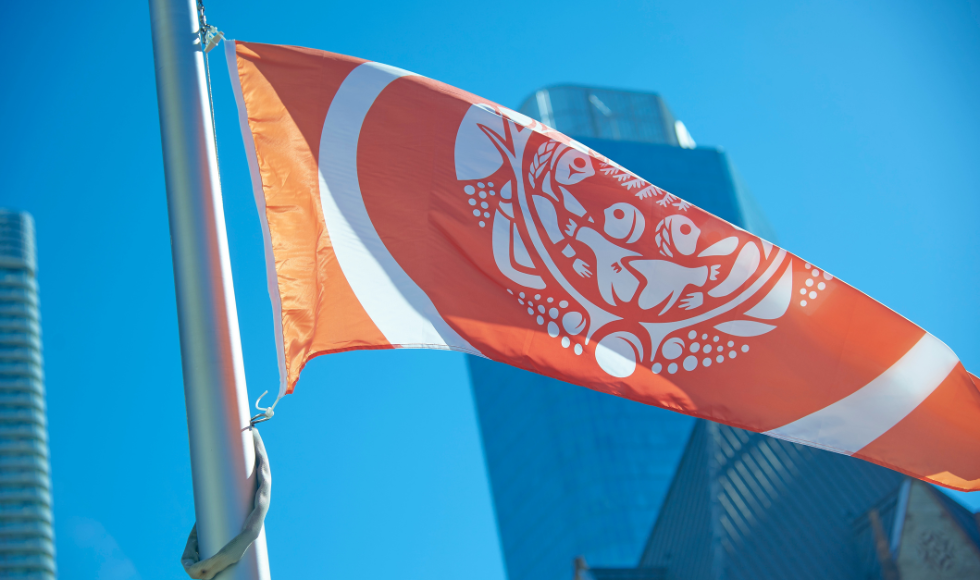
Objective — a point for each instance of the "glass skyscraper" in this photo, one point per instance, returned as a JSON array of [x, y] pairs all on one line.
[[26, 533], [574, 472], [607, 114]]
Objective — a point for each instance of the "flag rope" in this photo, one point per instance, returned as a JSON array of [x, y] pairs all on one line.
[[210, 38], [233, 551]]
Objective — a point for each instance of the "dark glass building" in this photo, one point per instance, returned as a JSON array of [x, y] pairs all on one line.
[[744, 506], [607, 114], [574, 472]]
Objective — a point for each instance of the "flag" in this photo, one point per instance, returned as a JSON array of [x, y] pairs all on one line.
[[399, 212]]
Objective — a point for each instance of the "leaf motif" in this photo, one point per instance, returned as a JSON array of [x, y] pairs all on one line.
[[537, 165], [647, 191], [744, 328]]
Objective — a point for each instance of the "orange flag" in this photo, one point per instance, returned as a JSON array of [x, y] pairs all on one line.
[[400, 212]]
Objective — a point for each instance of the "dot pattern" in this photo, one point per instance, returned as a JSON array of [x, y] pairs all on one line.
[[812, 286], [675, 348], [700, 349], [547, 316], [482, 191]]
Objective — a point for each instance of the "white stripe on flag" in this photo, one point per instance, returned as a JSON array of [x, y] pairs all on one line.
[[401, 310], [861, 417]]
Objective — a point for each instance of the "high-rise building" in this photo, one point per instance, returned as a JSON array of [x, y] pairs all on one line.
[[607, 114], [26, 532], [744, 506], [574, 472]]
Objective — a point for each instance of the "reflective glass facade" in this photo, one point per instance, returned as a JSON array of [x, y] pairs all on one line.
[[26, 534], [607, 114], [745, 506], [574, 472]]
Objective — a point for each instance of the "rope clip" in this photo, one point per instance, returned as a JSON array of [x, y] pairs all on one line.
[[210, 35], [266, 414]]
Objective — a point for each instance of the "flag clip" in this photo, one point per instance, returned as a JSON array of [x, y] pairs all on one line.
[[210, 35], [267, 412]]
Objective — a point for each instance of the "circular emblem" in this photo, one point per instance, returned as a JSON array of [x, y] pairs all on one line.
[[609, 263]]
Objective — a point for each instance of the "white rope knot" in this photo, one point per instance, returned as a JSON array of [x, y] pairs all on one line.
[[267, 412]]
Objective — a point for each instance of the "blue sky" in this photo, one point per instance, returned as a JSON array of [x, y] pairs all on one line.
[[854, 124]]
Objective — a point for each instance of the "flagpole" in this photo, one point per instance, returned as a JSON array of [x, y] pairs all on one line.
[[222, 454]]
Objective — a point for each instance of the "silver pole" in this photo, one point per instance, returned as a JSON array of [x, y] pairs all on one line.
[[222, 454]]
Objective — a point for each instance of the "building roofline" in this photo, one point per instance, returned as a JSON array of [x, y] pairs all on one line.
[[593, 88]]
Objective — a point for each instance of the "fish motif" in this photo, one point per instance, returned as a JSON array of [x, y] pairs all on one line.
[[568, 222]]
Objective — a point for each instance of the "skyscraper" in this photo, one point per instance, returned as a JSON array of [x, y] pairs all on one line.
[[607, 114], [574, 472], [744, 506], [26, 533]]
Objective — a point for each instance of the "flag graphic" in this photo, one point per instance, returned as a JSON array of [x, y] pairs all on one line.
[[400, 212]]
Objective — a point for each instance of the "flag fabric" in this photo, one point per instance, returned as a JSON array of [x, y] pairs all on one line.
[[399, 212]]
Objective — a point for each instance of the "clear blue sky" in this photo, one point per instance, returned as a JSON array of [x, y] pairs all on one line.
[[855, 125]]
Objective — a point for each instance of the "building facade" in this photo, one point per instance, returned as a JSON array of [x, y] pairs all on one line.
[[575, 473], [607, 114], [744, 506], [26, 525]]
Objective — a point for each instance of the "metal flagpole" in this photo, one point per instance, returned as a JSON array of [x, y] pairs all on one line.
[[222, 453]]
